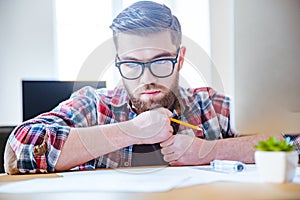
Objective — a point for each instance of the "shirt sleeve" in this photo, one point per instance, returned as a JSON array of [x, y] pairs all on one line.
[[37, 143], [221, 105], [295, 140]]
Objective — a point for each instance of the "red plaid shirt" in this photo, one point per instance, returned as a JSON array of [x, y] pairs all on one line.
[[88, 107]]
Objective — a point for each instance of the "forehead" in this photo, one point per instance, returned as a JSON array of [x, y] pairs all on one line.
[[129, 43]]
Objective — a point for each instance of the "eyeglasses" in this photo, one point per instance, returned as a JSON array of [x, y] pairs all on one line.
[[160, 68]]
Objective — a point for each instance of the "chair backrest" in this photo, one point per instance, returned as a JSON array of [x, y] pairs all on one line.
[[42, 96], [4, 133]]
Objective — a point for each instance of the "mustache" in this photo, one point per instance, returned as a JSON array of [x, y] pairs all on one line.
[[151, 86]]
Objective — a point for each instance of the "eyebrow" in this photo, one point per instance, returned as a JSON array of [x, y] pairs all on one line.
[[164, 54]]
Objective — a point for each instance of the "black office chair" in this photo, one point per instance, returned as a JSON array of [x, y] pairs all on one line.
[[4, 133], [41, 96]]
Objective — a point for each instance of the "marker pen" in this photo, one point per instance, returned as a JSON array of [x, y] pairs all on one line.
[[227, 165]]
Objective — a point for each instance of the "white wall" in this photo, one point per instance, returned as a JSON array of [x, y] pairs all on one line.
[[222, 42], [27, 51]]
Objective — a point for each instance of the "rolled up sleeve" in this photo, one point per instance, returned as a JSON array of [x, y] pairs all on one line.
[[35, 145]]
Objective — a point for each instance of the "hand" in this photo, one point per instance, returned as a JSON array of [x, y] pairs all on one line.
[[149, 127], [186, 150]]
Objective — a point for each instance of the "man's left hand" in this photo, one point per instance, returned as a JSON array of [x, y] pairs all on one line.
[[182, 150]]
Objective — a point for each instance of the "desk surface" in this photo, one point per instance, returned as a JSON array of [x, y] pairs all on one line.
[[217, 190]]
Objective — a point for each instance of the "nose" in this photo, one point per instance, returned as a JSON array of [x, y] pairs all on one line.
[[147, 77]]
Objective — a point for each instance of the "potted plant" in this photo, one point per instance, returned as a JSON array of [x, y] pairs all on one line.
[[276, 160]]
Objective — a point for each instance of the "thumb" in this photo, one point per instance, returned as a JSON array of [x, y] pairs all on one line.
[[164, 111]]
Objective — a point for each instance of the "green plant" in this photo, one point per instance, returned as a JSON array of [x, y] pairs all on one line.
[[274, 144]]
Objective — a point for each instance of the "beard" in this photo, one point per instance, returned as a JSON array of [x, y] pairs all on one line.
[[169, 100]]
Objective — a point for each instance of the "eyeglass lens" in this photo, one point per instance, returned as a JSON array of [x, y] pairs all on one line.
[[160, 68]]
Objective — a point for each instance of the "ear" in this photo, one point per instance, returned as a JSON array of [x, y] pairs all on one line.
[[181, 57]]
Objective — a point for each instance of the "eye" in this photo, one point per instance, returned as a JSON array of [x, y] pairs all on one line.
[[131, 65], [161, 62]]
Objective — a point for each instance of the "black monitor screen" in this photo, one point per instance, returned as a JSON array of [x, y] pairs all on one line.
[[42, 96]]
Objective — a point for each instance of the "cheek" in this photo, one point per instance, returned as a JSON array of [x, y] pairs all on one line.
[[130, 85], [169, 81], [166, 83]]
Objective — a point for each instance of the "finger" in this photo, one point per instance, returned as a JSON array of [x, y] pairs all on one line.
[[171, 129], [167, 150], [171, 157], [164, 111], [168, 112], [176, 163], [168, 142]]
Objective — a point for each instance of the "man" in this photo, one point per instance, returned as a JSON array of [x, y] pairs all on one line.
[[114, 128]]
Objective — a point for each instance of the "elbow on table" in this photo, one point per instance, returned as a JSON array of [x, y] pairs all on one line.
[[10, 161]]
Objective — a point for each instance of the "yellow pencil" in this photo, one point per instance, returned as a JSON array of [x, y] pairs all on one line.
[[184, 123]]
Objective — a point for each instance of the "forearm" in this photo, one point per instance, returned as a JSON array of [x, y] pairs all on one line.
[[84, 144], [238, 148], [30, 144], [188, 150]]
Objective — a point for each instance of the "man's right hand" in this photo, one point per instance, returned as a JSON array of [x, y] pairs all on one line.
[[149, 127]]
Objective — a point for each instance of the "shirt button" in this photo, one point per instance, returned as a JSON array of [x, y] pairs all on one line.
[[126, 164]]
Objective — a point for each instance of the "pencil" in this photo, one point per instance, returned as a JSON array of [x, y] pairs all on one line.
[[184, 123]]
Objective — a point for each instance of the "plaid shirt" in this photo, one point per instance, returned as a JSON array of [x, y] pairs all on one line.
[[293, 139], [89, 107]]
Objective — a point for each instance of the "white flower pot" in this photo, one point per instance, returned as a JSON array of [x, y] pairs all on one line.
[[276, 167]]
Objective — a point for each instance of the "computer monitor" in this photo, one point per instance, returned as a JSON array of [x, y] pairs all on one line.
[[42, 96]]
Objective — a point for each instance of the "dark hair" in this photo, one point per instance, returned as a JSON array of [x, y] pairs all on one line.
[[146, 17]]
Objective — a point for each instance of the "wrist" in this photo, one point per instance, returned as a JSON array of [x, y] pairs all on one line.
[[127, 134], [207, 151]]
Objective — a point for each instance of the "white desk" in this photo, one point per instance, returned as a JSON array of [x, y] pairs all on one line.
[[214, 190]]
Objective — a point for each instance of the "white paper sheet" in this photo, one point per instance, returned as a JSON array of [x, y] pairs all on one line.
[[146, 180], [132, 180]]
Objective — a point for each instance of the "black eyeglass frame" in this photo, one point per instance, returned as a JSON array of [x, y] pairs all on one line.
[[147, 64]]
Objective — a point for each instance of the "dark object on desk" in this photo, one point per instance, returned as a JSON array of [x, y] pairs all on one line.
[[147, 155], [4, 134], [42, 96]]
